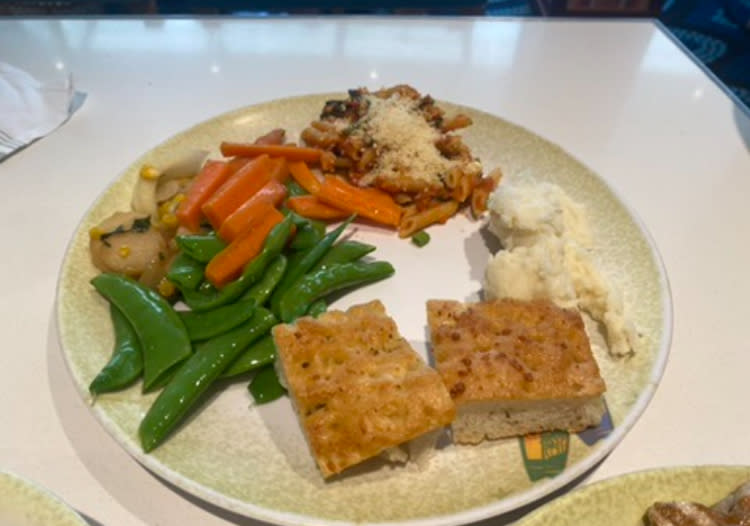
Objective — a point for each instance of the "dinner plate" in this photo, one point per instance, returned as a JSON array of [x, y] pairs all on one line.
[[254, 460], [622, 501], [24, 503]]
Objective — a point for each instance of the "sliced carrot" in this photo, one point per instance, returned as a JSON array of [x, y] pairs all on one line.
[[237, 163], [280, 169], [237, 189], [228, 264], [366, 202], [290, 153], [302, 174], [238, 221], [209, 179], [313, 208]]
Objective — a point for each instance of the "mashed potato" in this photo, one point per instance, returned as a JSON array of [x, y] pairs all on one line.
[[547, 254]]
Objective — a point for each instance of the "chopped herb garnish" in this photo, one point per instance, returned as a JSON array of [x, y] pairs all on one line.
[[139, 225]]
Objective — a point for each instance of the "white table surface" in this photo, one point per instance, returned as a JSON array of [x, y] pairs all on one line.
[[618, 95]]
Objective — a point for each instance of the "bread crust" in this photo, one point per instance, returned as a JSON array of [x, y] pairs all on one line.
[[358, 387], [510, 357]]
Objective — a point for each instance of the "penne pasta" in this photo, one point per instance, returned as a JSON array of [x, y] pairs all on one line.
[[420, 220]]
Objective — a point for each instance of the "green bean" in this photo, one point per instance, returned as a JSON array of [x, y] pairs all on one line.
[[421, 238], [202, 300], [343, 252], [265, 386], [298, 298], [126, 364], [160, 330], [262, 290], [185, 272], [298, 268], [196, 375], [207, 324], [309, 233], [257, 355], [201, 247], [316, 308]]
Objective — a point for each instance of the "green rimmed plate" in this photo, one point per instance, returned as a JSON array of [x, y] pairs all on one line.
[[254, 460], [622, 501], [24, 503]]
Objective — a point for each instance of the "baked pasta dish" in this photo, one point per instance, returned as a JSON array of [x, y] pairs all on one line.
[[401, 142]]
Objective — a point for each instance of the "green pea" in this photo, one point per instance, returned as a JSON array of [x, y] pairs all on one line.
[[164, 340], [262, 352], [298, 298], [265, 386], [196, 375], [185, 272], [205, 325], [421, 238], [126, 364], [201, 247]]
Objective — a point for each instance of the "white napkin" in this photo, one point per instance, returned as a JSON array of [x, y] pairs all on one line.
[[29, 109]]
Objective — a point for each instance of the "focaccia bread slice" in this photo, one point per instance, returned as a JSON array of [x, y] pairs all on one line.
[[358, 387], [515, 367]]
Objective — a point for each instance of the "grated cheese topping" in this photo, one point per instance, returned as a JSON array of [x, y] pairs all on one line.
[[405, 142]]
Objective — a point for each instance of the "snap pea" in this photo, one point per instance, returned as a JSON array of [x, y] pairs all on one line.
[[265, 386], [126, 364], [201, 247], [205, 325], [262, 290], [343, 252], [309, 233], [293, 189], [257, 355], [185, 272], [317, 308], [298, 268], [196, 375], [297, 299], [201, 300], [160, 330]]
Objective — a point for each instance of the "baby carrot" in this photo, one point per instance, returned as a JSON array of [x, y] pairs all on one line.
[[302, 174], [209, 179], [313, 208], [290, 153], [248, 213], [237, 189], [228, 264], [365, 202], [279, 169]]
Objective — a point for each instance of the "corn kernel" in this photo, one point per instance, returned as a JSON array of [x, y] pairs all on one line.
[[165, 207], [166, 288], [169, 220], [124, 251], [178, 198], [149, 172], [96, 233]]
